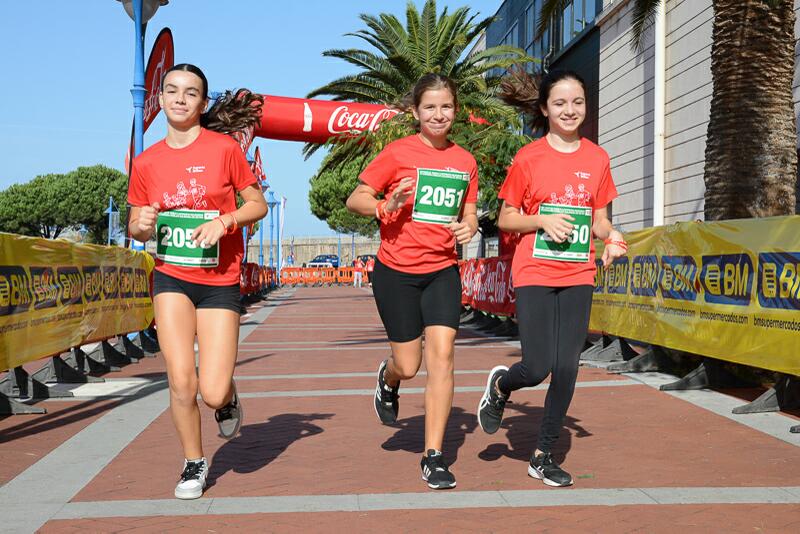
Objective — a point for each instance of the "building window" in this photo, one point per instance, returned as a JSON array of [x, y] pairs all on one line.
[[576, 16]]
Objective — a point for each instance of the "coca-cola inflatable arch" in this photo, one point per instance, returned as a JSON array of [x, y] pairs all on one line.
[[316, 121]]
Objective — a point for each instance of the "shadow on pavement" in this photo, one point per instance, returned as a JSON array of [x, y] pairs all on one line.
[[259, 444], [410, 435], [521, 432]]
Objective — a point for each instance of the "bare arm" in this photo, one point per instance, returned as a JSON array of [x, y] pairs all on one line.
[[364, 199], [142, 222], [464, 229], [602, 229], [253, 209], [558, 226]]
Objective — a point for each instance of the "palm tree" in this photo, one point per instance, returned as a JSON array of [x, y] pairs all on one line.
[[427, 43], [751, 157], [403, 53]]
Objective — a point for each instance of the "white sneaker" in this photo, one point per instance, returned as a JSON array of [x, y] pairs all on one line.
[[193, 479]]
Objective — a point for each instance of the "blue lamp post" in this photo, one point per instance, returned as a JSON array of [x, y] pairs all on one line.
[[271, 202], [140, 11]]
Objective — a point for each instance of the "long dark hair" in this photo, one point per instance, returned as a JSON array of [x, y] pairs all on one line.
[[232, 111], [530, 94]]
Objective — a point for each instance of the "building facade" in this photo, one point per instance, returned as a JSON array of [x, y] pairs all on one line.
[[655, 138]]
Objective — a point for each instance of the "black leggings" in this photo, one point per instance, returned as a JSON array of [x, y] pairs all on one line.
[[553, 323]]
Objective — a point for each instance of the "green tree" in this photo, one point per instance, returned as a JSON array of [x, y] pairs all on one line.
[[751, 147], [402, 54], [49, 203], [35, 208], [86, 199], [427, 43], [329, 191]]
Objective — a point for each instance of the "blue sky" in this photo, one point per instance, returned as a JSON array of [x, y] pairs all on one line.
[[68, 69]]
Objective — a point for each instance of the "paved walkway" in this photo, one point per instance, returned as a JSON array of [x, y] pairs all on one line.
[[312, 456]]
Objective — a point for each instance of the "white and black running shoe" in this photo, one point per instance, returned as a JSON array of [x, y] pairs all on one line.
[[435, 472], [229, 417], [193, 479], [548, 471], [492, 404], [386, 398]]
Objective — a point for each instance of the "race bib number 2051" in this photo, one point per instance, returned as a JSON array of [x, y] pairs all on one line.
[[577, 246], [174, 233], [439, 195]]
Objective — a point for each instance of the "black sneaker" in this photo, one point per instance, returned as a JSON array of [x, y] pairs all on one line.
[[548, 471], [229, 417], [193, 479], [435, 471], [492, 404], [386, 405]]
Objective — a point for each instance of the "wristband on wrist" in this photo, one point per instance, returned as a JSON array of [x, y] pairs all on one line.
[[224, 228], [235, 225], [617, 242]]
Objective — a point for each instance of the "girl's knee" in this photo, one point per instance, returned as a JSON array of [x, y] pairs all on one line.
[[183, 390], [405, 371], [532, 377]]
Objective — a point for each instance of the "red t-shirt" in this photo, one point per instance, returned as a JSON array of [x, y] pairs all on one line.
[[202, 176], [407, 245], [540, 173]]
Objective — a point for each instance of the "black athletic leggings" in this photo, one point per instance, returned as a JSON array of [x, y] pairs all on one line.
[[553, 323]]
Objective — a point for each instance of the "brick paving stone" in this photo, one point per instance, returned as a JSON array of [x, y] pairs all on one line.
[[566, 519], [332, 445], [629, 436], [26, 439]]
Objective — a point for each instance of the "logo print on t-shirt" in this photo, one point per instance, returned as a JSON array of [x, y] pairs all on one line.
[[581, 197], [193, 198], [583, 175]]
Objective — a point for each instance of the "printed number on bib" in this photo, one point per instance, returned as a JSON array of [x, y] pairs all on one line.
[[439, 195], [577, 246], [175, 246]]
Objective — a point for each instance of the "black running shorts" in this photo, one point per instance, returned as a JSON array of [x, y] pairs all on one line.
[[202, 296], [407, 303]]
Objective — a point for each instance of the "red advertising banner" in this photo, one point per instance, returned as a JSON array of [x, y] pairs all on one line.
[[162, 58], [486, 285], [315, 121], [258, 168]]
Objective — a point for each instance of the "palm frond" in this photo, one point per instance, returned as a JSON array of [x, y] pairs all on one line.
[[550, 11], [644, 14]]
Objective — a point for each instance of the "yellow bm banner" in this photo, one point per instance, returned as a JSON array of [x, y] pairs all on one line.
[[729, 290], [55, 295]]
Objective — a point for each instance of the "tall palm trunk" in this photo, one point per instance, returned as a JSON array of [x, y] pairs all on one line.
[[751, 157]]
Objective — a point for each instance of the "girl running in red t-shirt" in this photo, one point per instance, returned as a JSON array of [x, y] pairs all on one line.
[[431, 187], [555, 196], [183, 191]]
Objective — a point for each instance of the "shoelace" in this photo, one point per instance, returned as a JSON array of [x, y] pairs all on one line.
[[388, 394], [436, 463], [497, 399], [192, 471], [546, 458], [226, 412]]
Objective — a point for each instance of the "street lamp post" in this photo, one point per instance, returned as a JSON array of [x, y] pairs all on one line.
[[271, 202], [140, 11]]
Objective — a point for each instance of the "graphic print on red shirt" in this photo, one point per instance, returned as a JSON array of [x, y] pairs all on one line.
[[406, 245], [204, 175], [541, 174]]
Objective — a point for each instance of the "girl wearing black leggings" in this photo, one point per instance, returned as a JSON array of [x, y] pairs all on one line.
[[555, 196]]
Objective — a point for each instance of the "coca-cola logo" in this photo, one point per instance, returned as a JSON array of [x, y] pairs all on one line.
[[342, 120]]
